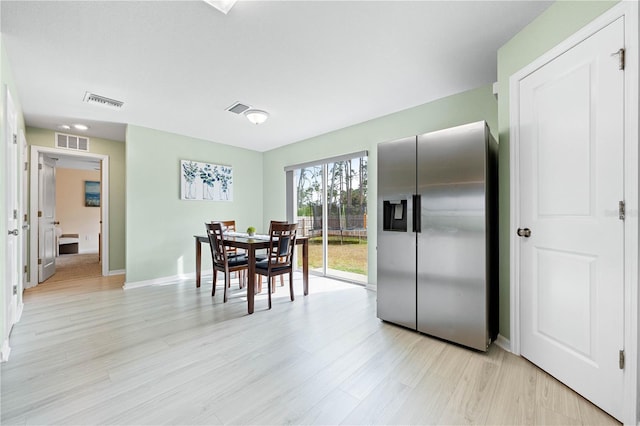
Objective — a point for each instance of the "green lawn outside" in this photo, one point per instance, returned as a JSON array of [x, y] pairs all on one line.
[[348, 256]]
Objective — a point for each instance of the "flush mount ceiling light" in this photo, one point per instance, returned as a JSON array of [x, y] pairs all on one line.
[[80, 127], [223, 6], [64, 127], [256, 116]]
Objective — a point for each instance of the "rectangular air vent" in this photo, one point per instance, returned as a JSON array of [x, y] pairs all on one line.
[[238, 108], [92, 98], [76, 143]]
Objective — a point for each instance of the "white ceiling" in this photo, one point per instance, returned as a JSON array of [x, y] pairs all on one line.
[[315, 66]]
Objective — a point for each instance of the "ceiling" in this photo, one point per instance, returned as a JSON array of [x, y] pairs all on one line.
[[315, 66]]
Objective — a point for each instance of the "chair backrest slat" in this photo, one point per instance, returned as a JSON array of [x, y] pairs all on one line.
[[218, 250], [228, 226], [282, 240]]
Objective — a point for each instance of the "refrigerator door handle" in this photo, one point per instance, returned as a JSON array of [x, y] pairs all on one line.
[[417, 213]]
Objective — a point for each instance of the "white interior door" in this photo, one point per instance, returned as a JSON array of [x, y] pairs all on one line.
[[12, 273], [46, 217], [25, 220], [571, 183]]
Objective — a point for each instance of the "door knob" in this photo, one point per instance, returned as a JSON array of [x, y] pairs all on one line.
[[526, 232], [14, 232]]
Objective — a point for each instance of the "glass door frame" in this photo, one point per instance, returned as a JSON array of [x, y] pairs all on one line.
[[292, 201]]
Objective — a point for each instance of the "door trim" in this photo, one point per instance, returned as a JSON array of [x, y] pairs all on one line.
[[33, 209], [12, 194], [628, 10], [23, 203]]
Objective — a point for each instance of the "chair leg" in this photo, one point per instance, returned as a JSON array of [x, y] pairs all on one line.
[[291, 286], [282, 280], [258, 288], [242, 275], [269, 281], [273, 284], [213, 287], [227, 280]]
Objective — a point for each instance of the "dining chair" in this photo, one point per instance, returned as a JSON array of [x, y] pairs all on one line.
[[273, 280], [230, 226], [262, 256], [279, 261], [222, 262]]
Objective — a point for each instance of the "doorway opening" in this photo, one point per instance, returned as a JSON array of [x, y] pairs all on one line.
[[79, 245]]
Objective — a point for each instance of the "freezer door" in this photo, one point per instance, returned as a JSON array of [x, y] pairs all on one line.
[[452, 293], [396, 247]]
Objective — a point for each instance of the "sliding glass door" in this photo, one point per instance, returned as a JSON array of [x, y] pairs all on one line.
[[309, 192], [346, 219], [331, 209]]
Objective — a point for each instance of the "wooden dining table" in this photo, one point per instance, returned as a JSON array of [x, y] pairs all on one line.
[[250, 245]]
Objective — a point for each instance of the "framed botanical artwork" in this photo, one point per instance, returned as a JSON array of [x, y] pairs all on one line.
[[204, 181], [91, 193]]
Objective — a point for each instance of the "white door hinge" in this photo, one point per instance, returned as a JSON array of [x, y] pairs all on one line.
[[620, 54], [621, 359], [15, 139]]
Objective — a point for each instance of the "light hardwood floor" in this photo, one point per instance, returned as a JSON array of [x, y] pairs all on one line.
[[88, 352]]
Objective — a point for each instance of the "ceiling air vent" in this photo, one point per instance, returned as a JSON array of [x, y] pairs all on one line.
[[76, 143], [238, 108], [92, 98]]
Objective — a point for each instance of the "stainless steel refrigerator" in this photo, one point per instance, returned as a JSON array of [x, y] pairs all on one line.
[[437, 234]]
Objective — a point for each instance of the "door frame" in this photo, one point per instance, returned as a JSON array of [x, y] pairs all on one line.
[[33, 206], [628, 10], [11, 129], [24, 224], [292, 207]]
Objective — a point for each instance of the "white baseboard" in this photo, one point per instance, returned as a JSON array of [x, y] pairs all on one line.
[[503, 343], [371, 287], [175, 279], [117, 272], [5, 351], [88, 251], [19, 312]]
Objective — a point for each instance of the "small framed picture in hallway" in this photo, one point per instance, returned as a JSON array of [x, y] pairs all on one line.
[[91, 193]]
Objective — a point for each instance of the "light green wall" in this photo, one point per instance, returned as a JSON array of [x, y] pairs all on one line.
[[116, 152], [466, 107], [160, 226], [6, 81], [552, 27]]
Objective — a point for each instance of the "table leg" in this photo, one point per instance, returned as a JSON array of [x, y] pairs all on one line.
[[251, 282], [305, 267], [198, 262]]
